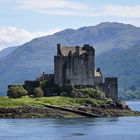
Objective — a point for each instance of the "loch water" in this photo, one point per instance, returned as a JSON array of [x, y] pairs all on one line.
[[113, 128]]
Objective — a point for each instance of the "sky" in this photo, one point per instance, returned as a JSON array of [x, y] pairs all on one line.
[[23, 20]]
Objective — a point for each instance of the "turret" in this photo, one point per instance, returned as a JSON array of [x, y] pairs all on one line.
[[89, 49], [58, 49], [111, 87], [77, 50]]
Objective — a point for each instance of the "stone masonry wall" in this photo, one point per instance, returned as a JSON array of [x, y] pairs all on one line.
[[111, 87], [75, 69]]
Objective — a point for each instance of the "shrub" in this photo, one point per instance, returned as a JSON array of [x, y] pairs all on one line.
[[87, 92], [65, 90], [93, 93], [38, 92], [76, 93], [43, 84], [16, 91]]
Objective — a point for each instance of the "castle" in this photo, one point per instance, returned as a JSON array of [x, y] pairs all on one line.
[[75, 67]]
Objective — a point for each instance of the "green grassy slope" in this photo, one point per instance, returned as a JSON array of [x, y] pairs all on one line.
[[57, 100]]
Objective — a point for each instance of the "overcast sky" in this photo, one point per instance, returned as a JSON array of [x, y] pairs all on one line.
[[23, 20]]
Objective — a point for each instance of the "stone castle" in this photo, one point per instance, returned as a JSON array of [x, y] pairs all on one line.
[[75, 66]]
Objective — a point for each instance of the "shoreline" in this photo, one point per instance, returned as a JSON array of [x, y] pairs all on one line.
[[47, 112]]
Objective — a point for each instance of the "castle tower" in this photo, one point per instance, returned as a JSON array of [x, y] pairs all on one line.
[[74, 65], [111, 87]]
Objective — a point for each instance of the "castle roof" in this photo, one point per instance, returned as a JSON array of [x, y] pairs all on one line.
[[98, 73], [65, 50]]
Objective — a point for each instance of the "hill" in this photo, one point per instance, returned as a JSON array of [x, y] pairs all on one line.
[[124, 64], [7, 51]]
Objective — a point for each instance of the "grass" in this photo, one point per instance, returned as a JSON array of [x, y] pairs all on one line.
[[57, 100]]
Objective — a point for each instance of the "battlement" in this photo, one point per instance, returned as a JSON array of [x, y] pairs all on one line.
[[77, 50]]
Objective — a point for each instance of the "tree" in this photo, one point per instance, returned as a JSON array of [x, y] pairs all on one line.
[[43, 84], [16, 91], [38, 92]]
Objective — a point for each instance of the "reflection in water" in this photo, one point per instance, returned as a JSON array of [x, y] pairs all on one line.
[[116, 128], [71, 129]]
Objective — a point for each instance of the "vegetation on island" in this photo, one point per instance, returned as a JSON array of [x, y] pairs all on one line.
[[38, 92], [16, 91], [71, 102], [56, 100], [69, 97]]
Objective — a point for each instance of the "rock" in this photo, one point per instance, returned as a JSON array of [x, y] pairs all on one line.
[[103, 106], [112, 105], [82, 108]]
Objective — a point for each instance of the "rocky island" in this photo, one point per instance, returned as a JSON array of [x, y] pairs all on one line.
[[75, 89], [62, 107]]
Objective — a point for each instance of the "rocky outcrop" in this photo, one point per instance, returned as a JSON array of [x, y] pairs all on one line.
[[33, 112], [64, 112]]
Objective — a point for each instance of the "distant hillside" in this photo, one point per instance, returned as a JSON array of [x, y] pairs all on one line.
[[109, 39], [7, 51], [125, 64]]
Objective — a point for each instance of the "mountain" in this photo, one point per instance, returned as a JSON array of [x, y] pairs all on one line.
[[109, 39], [7, 51]]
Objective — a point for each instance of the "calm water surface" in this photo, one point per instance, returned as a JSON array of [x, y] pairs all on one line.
[[117, 128]]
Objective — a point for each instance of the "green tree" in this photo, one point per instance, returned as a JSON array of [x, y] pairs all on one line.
[[38, 92], [16, 91], [43, 84]]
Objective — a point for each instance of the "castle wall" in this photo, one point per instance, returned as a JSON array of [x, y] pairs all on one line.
[[30, 85], [58, 70], [111, 88], [98, 80], [91, 67]]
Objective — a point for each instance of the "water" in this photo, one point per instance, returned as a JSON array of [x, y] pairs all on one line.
[[134, 105], [115, 128]]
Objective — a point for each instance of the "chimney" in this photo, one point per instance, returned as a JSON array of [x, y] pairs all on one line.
[[77, 50], [58, 49]]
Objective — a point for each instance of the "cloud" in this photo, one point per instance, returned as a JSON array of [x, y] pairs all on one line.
[[49, 4], [72, 8], [52, 7], [12, 36], [123, 11]]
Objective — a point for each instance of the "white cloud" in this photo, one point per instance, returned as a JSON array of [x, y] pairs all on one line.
[[72, 8], [53, 7], [12, 36], [115, 11], [119, 10], [48, 4]]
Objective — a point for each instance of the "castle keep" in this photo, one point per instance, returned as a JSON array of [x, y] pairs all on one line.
[[75, 66]]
